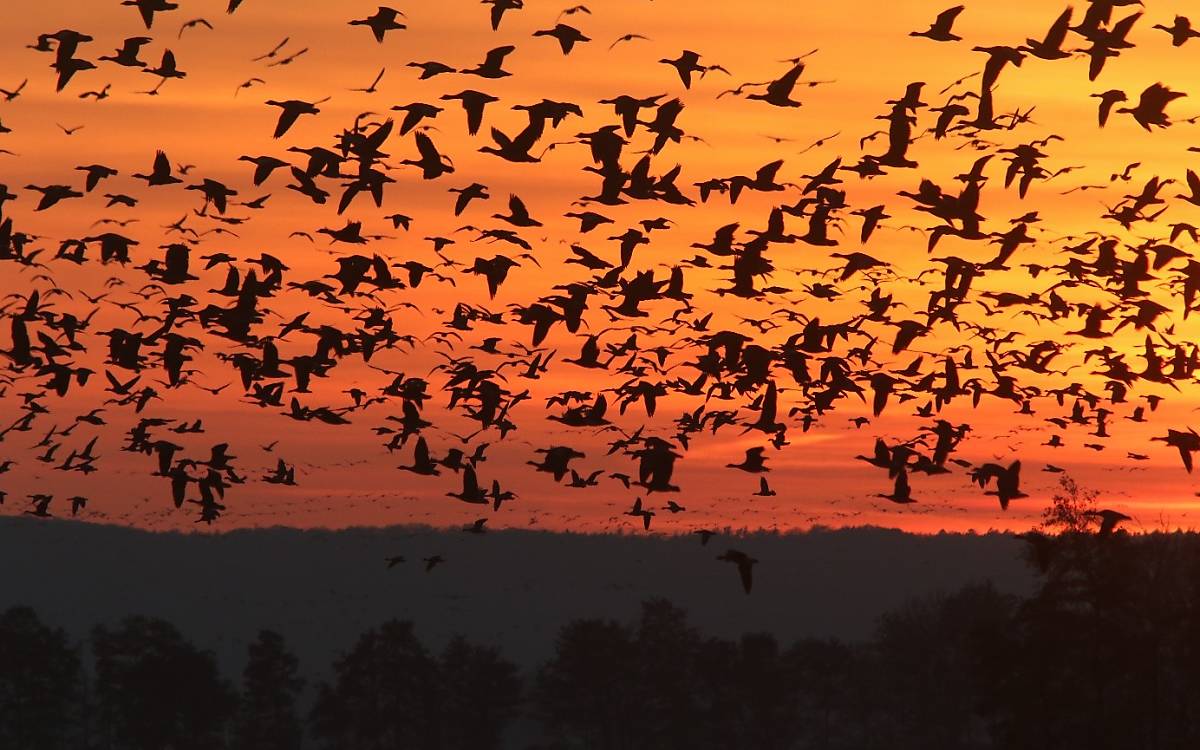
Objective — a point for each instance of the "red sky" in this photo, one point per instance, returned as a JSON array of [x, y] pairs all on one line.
[[344, 475]]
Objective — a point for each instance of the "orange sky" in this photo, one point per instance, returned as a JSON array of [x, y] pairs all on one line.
[[346, 478]]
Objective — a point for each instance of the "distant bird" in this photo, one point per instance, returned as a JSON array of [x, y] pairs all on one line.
[[167, 68], [147, 8], [1108, 520], [567, 36], [292, 109], [1108, 100], [161, 173], [628, 38], [688, 63], [477, 527], [637, 511], [1008, 479], [471, 491], [901, 492], [500, 7], [41, 505], [939, 30], [11, 94], [492, 65], [745, 565], [194, 23], [374, 84], [754, 462], [383, 21]]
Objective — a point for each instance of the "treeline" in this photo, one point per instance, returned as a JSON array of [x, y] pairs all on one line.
[[1104, 654]]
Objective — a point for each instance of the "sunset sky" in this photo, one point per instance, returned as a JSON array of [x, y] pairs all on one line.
[[863, 55]]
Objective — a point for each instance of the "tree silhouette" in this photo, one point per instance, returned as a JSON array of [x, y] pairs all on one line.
[[587, 692], [267, 718], [666, 647], [385, 694], [750, 694], [1103, 653], [1069, 507], [829, 677], [155, 690], [929, 656], [39, 683], [481, 694]]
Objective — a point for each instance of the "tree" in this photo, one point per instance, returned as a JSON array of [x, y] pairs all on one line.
[[667, 647], [749, 694], [586, 693], [1069, 508], [482, 691], [934, 658], [155, 690], [385, 694], [267, 718], [39, 683], [611, 686]]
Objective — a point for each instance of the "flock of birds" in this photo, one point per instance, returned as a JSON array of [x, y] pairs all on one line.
[[674, 359]]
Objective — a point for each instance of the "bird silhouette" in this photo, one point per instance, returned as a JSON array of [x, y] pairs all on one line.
[[745, 565]]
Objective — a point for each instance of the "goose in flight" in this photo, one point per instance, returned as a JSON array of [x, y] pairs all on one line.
[[745, 566]]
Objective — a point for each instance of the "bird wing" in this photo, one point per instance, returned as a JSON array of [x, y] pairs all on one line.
[[162, 165], [746, 571], [945, 19], [287, 118]]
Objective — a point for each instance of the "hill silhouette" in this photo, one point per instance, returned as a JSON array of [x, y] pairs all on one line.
[[510, 589]]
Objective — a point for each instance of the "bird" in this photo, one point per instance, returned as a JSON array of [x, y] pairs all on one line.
[[1108, 100], [291, 110], [745, 565], [11, 94], [499, 8], [147, 8], [1108, 520], [493, 64], [194, 23], [940, 29], [471, 491], [1151, 108], [566, 36], [384, 19], [754, 462], [901, 492], [688, 63], [1007, 478], [374, 84], [161, 172], [637, 511], [1180, 30], [167, 69], [1186, 443]]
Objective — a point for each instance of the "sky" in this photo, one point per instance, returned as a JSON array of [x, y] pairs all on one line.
[[862, 54]]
